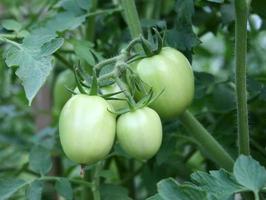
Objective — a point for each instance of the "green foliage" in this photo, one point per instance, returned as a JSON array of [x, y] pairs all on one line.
[[248, 175]]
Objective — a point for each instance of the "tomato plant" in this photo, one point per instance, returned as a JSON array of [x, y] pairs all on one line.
[[192, 78], [83, 137], [140, 133]]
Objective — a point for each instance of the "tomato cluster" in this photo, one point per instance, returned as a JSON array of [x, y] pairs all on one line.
[[88, 125]]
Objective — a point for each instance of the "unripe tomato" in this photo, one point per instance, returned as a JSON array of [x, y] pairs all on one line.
[[60, 93], [169, 71], [87, 128], [117, 104], [140, 133]]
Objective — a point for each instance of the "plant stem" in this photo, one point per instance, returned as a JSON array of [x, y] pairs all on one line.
[[56, 178], [96, 181], [241, 14], [215, 151], [90, 29], [107, 62], [123, 88], [132, 18]]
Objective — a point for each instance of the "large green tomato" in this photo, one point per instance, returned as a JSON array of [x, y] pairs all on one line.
[[87, 128], [140, 133], [60, 93], [169, 71]]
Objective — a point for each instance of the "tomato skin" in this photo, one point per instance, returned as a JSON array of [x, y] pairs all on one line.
[[140, 133], [87, 128], [60, 93], [170, 72], [113, 88], [117, 104]]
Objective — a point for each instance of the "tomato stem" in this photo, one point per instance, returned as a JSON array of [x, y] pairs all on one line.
[[241, 14], [90, 29], [215, 151], [121, 85], [132, 18]]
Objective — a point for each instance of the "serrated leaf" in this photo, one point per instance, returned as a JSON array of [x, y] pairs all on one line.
[[40, 160], [83, 50], [249, 173], [168, 189], [11, 25], [51, 47], [220, 183], [9, 186], [182, 38], [63, 187], [65, 21], [109, 191], [33, 68], [34, 191]]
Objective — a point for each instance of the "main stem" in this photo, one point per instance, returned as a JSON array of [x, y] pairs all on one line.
[[241, 14], [132, 18], [204, 138], [214, 150], [90, 29]]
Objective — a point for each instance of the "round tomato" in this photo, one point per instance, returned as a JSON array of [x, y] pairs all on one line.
[[170, 72], [87, 128], [140, 133], [117, 104], [60, 93]]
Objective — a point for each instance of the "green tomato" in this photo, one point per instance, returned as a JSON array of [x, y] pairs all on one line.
[[87, 128], [170, 72], [140, 133], [117, 104], [60, 93]]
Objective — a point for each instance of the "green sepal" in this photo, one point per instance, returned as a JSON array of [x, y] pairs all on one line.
[[94, 84]]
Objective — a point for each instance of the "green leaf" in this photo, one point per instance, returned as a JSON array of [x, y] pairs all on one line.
[[182, 36], [11, 25], [33, 56], [51, 47], [33, 68], [249, 173], [65, 21], [9, 186], [109, 191], [83, 50], [40, 160], [155, 197], [169, 189], [63, 187], [185, 11], [34, 191], [220, 183]]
